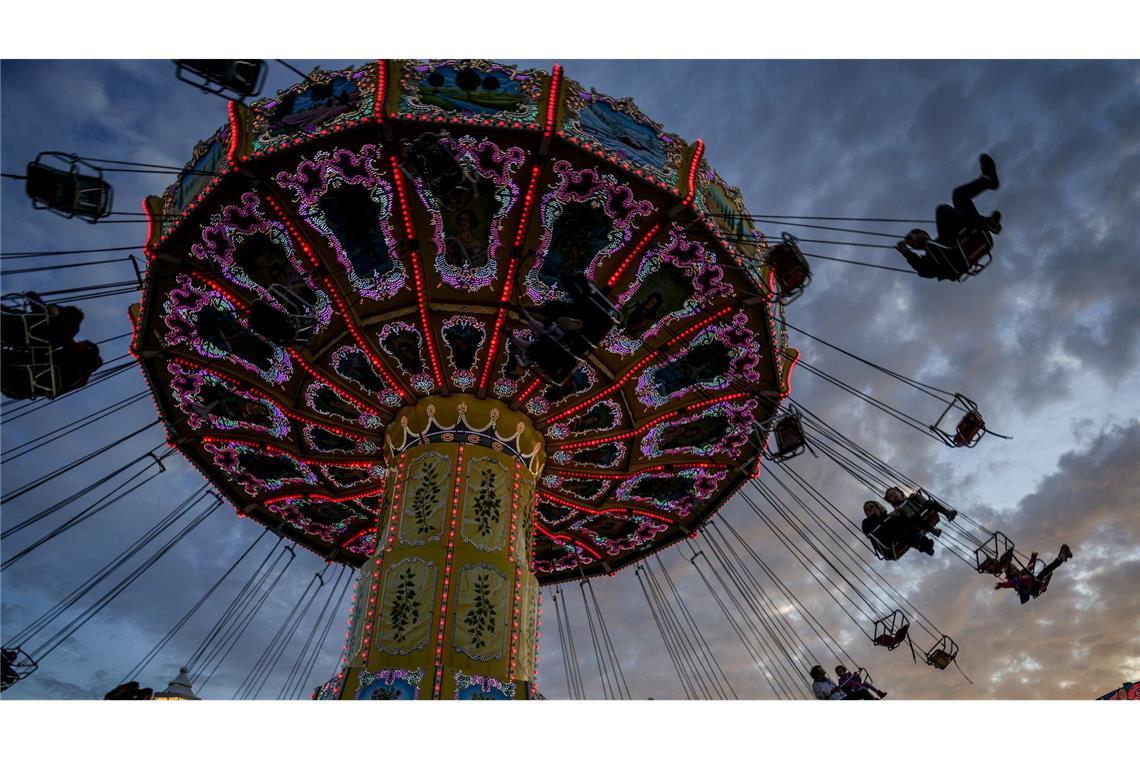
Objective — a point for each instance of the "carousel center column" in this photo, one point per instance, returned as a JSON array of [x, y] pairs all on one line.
[[447, 607]]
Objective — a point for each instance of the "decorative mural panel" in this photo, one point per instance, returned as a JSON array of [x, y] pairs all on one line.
[[586, 217], [677, 492], [343, 195], [722, 429], [605, 415], [403, 342], [486, 503], [427, 496], [353, 365], [202, 318], [601, 456], [469, 88], [715, 358], [467, 231], [326, 99], [325, 400], [257, 254], [482, 611], [674, 281], [258, 471], [207, 162], [407, 605], [464, 336], [393, 683], [618, 127], [482, 687], [210, 401]]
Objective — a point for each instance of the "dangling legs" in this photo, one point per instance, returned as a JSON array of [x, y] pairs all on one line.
[[1063, 556]]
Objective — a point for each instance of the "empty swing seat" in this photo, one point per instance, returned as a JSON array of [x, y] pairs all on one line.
[[789, 437], [993, 557], [65, 191], [243, 78], [891, 630], [790, 269], [944, 652]]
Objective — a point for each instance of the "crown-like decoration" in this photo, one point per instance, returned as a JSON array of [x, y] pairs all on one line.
[[464, 431]]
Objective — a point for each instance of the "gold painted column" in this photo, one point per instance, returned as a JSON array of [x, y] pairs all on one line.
[[447, 607]]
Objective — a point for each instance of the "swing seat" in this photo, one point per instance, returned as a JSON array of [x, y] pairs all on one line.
[[243, 78], [891, 630], [969, 430], [789, 269], [971, 254], [891, 550], [15, 666], [944, 652], [788, 436], [993, 557], [64, 191]]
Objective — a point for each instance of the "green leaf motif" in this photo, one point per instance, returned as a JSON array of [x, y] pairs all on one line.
[[480, 620], [486, 503], [425, 495], [405, 611]]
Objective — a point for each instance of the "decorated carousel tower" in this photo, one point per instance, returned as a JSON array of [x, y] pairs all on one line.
[[470, 329]]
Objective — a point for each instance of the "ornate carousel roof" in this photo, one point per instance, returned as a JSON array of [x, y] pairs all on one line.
[[416, 295]]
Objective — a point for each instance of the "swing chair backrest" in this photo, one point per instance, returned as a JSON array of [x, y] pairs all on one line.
[[970, 430], [791, 270], [976, 246], [243, 78], [790, 440], [942, 654], [67, 192], [988, 555]]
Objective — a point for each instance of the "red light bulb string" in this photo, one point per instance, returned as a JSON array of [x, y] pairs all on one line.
[[438, 683]]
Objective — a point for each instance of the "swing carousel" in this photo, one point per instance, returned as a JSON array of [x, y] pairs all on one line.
[[361, 322], [467, 332]]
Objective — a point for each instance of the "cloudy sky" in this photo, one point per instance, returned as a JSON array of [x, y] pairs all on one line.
[[1046, 341]]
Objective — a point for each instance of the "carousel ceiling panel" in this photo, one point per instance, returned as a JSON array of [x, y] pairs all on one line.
[[427, 214]]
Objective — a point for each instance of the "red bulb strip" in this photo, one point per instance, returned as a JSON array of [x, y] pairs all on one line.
[[447, 575], [327, 499], [370, 610], [700, 149], [401, 192], [529, 390], [616, 510], [381, 90], [567, 473], [561, 538], [399, 482], [552, 100], [496, 332], [528, 204], [233, 136], [425, 318], [517, 616], [634, 254], [366, 531]]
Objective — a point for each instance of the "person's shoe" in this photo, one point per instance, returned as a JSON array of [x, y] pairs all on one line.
[[936, 532], [989, 170], [993, 222], [928, 548], [1066, 553], [951, 514]]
